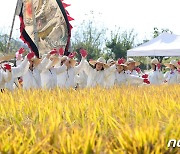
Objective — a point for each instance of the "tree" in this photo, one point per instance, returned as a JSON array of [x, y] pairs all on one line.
[[89, 37], [119, 43], [14, 46]]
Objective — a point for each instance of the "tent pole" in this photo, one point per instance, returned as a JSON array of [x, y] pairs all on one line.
[[11, 31]]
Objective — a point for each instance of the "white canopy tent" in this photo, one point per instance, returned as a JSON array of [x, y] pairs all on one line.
[[165, 44]]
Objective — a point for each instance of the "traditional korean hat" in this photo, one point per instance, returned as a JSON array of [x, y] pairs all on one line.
[[101, 60], [154, 61], [72, 61], [36, 61], [6, 57], [111, 61], [172, 62], [130, 60]]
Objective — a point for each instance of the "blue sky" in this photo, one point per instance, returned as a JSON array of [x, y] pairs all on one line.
[[140, 15]]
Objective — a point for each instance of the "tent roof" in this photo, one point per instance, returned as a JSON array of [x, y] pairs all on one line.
[[165, 44]]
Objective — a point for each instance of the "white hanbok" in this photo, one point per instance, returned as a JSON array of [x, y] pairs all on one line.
[[97, 78], [5, 76], [172, 77], [155, 77], [17, 72], [49, 76], [32, 78], [68, 77]]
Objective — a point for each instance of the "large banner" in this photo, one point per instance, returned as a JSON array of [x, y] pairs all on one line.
[[46, 23]]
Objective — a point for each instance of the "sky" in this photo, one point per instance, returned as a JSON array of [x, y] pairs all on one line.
[[140, 15]]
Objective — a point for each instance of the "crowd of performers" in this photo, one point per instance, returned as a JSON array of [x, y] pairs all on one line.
[[54, 70]]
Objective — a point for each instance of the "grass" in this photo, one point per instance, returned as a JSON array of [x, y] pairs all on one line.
[[118, 120]]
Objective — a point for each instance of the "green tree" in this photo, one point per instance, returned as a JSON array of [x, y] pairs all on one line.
[[119, 43], [89, 37]]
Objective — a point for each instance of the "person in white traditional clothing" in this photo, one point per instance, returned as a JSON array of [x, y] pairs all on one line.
[[109, 81], [49, 75], [17, 71], [155, 76], [122, 78], [134, 74], [81, 79], [98, 73], [31, 73], [172, 76], [131, 67], [67, 78], [5, 73], [120, 75]]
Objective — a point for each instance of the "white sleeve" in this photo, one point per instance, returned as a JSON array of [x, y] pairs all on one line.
[[7, 76], [110, 70], [166, 75], [60, 69], [86, 67], [132, 79], [43, 64], [21, 69], [160, 76], [79, 67]]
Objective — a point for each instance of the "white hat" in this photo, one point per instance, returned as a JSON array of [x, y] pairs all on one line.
[[172, 62], [72, 61], [111, 61], [101, 60], [154, 61], [130, 60]]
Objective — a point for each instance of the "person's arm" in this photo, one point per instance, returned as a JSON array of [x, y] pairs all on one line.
[[7, 76], [60, 69], [43, 64], [80, 66], [132, 79], [110, 70], [21, 69]]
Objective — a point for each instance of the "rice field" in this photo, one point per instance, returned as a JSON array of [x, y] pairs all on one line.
[[126, 120]]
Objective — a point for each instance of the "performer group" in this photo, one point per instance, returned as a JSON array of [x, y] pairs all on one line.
[[54, 69]]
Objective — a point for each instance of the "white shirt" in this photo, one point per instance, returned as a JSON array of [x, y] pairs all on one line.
[[17, 72], [172, 77], [133, 78], [67, 78], [155, 77], [32, 78], [5, 76], [120, 78], [81, 79], [95, 77], [49, 76]]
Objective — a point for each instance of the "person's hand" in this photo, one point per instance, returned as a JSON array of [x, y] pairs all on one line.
[[18, 56], [21, 51], [30, 55], [7, 67], [83, 53], [72, 55], [146, 81], [121, 61], [145, 76], [61, 51], [53, 52], [138, 69]]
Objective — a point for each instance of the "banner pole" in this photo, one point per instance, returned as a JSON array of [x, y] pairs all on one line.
[[11, 31]]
